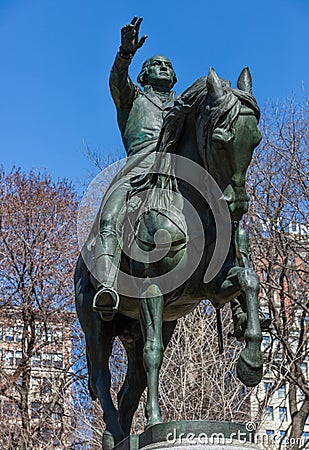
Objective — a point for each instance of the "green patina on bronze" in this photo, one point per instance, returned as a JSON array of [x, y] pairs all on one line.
[[216, 128]]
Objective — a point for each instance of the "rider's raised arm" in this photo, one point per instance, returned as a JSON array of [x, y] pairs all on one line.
[[122, 88]]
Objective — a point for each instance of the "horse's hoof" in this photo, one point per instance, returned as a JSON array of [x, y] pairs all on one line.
[[249, 374], [108, 441]]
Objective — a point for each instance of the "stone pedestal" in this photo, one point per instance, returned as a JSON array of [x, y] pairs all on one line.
[[191, 435]]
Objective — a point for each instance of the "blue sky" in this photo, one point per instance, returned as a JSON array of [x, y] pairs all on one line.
[[56, 56]]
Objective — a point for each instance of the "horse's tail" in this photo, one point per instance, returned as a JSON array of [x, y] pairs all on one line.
[[219, 328], [81, 284]]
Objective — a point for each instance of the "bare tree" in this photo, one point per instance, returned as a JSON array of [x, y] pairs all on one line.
[[279, 230], [37, 255], [198, 383]]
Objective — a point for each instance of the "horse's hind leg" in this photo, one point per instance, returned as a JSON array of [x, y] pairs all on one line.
[[134, 384], [151, 310], [99, 339], [99, 349], [136, 380]]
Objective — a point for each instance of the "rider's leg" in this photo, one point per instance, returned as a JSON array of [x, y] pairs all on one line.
[[107, 254]]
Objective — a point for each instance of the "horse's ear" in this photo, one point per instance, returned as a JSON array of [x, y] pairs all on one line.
[[214, 85], [244, 82]]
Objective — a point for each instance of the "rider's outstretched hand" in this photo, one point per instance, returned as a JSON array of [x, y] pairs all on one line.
[[130, 41]]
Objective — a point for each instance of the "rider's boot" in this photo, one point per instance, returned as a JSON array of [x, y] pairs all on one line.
[[106, 299]]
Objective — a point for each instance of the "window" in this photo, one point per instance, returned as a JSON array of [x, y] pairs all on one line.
[[282, 437], [304, 368], [47, 359], [266, 342], [57, 412], [267, 386], [58, 360], [19, 333], [36, 361], [35, 410], [49, 336], [300, 395], [283, 413], [18, 357], [7, 408], [1, 332], [46, 386], [270, 432], [269, 413], [9, 334], [58, 335], [306, 437], [282, 391], [8, 358]]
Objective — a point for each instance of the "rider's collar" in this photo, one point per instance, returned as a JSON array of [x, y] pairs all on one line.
[[156, 97]]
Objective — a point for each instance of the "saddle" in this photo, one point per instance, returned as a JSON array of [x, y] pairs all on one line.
[[160, 229]]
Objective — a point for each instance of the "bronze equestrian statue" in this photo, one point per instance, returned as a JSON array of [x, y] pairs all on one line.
[[179, 200]]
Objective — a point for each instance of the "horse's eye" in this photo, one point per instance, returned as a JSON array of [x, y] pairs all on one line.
[[218, 138], [217, 143]]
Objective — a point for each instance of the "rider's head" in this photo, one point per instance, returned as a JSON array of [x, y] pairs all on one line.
[[158, 72]]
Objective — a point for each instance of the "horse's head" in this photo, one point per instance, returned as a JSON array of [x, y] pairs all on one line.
[[229, 136]]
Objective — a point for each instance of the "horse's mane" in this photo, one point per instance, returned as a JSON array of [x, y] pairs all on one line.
[[194, 100]]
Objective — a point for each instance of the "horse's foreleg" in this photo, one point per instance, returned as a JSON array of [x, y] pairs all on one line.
[[151, 309], [250, 363], [245, 281]]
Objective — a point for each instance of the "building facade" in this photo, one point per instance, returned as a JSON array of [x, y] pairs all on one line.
[[282, 394], [35, 389]]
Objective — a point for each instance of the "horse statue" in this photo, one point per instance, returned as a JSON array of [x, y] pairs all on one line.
[[204, 150]]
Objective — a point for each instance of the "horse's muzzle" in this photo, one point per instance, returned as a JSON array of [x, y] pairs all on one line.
[[238, 201]]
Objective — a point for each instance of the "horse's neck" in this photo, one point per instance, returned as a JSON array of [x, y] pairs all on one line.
[[187, 145]]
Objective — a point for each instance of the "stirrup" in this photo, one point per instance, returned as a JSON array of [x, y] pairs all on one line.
[[106, 303]]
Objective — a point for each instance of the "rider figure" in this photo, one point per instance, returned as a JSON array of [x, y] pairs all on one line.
[[140, 117]]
